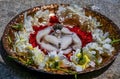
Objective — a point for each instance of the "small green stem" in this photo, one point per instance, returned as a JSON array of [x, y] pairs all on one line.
[[115, 40], [9, 39], [76, 76], [81, 54]]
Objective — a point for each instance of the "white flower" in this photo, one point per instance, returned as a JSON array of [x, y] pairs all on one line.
[[108, 48], [66, 63], [38, 56], [100, 60], [28, 23], [41, 14], [74, 58], [78, 68], [92, 64], [52, 54], [107, 40], [93, 52], [61, 56], [41, 65]]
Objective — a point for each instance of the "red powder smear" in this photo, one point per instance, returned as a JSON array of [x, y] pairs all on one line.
[[53, 19], [69, 55], [86, 37], [32, 37]]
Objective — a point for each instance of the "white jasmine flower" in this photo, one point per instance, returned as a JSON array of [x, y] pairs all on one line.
[[78, 68], [92, 64]]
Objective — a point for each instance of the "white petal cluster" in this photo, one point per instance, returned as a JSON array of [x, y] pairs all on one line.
[[41, 14], [28, 23], [38, 57], [21, 41], [103, 40]]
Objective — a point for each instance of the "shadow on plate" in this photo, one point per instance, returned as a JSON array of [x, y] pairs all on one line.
[[24, 72]]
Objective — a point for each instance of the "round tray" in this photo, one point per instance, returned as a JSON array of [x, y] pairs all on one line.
[[108, 25]]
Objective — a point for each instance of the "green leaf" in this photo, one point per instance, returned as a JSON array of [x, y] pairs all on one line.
[[11, 58], [9, 39], [76, 77], [82, 59], [81, 62], [67, 70], [30, 62], [115, 41], [55, 65], [18, 26], [81, 54]]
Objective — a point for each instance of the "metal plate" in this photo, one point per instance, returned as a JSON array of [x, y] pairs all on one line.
[[108, 25]]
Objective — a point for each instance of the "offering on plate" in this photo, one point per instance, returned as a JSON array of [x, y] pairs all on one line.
[[61, 39]]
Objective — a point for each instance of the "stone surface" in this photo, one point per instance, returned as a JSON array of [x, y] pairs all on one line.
[[10, 8]]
